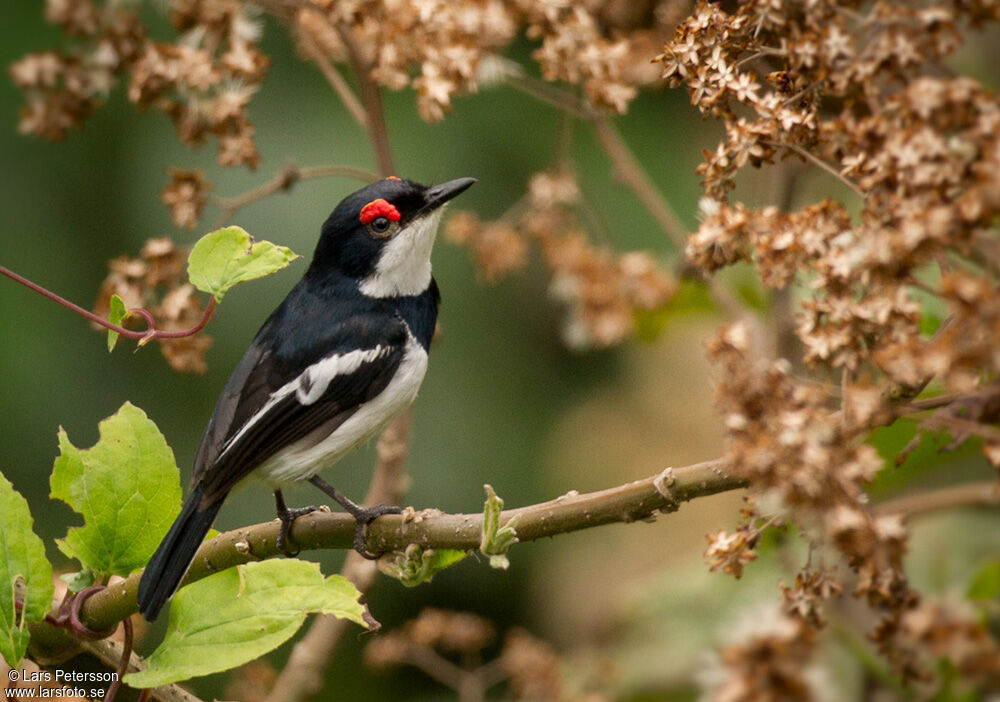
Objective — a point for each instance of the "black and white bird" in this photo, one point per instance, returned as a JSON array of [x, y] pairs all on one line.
[[341, 357]]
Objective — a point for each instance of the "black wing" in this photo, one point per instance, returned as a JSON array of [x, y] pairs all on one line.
[[260, 411]]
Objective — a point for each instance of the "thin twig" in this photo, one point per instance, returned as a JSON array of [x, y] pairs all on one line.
[[334, 78], [983, 494], [564, 141], [961, 425], [471, 685], [632, 173], [817, 161], [148, 334], [285, 11], [548, 93], [284, 179], [109, 651], [614, 145], [763, 51], [371, 96], [437, 666], [931, 403], [787, 342]]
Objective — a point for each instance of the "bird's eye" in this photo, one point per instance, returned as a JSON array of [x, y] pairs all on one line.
[[379, 215]]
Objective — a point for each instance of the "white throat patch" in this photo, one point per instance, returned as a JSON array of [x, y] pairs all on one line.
[[404, 266]]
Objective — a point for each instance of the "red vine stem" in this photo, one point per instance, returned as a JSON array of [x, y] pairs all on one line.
[[109, 696], [147, 334]]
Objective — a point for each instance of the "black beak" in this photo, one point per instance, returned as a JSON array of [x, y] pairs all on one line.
[[439, 194]]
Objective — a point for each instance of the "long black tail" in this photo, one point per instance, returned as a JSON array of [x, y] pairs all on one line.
[[173, 557]]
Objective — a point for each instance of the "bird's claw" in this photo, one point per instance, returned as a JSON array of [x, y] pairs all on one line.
[[362, 518], [285, 543]]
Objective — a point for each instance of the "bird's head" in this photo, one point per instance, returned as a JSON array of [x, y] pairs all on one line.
[[382, 235]]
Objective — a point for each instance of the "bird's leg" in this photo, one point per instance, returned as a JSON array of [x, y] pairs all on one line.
[[363, 516], [288, 517]]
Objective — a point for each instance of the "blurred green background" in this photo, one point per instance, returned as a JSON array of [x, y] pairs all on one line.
[[504, 402]]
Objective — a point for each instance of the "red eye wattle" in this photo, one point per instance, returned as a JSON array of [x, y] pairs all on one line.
[[379, 208]]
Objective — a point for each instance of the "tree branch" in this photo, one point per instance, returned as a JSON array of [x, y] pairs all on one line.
[[284, 179], [639, 500]]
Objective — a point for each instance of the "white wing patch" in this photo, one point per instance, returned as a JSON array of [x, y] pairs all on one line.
[[310, 384]]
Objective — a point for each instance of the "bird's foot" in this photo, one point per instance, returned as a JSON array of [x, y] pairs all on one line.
[[287, 515], [286, 544], [363, 516]]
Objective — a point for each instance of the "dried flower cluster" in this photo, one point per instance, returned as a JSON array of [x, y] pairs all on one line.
[[573, 50], [533, 667], [949, 628], [439, 630], [204, 81], [863, 92], [765, 662], [811, 587], [157, 282], [442, 48], [434, 47], [730, 552], [439, 48], [860, 94], [186, 195], [783, 438], [602, 291]]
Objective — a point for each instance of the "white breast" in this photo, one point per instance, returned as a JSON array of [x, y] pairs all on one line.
[[304, 459], [404, 265]]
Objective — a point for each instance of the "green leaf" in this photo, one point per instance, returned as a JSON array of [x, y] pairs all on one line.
[[417, 565], [116, 315], [127, 487], [922, 452], [496, 540], [229, 256], [933, 309], [80, 580], [238, 615], [986, 584], [24, 573]]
